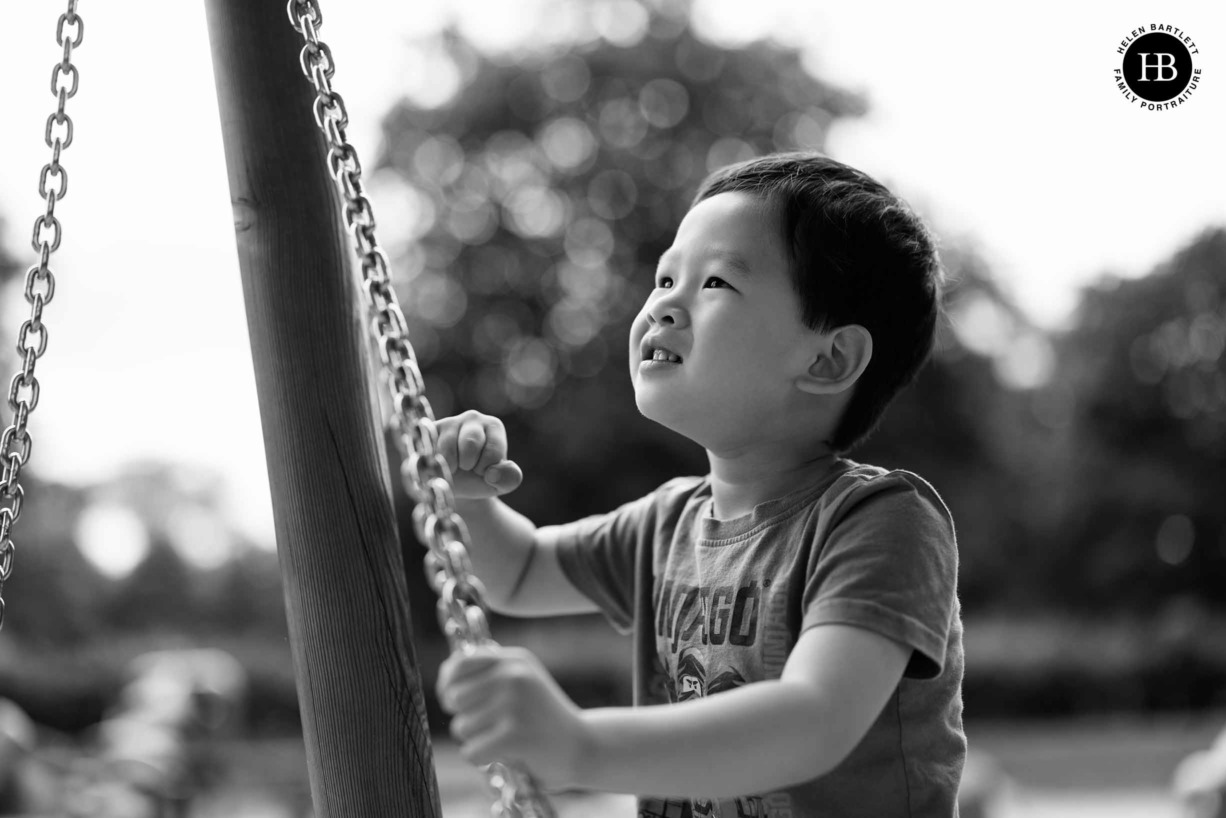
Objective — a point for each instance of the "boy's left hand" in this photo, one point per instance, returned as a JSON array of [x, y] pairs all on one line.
[[506, 707]]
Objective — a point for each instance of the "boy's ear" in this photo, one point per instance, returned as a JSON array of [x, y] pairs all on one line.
[[842, 355]]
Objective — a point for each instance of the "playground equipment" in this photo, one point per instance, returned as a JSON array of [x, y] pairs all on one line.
[[40, 289], [359, 686]]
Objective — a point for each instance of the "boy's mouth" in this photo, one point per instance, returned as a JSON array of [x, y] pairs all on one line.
[[663, 355], [655, 352]]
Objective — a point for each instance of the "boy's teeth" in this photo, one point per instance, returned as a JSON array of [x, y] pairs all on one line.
[[663, 355]]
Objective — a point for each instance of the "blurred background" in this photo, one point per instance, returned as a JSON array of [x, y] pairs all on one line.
[[528, 164]]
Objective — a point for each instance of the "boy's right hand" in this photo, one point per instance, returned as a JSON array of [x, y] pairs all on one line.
[[475, 447]]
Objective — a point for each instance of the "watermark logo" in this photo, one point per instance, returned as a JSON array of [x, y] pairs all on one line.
[[1158, 69]]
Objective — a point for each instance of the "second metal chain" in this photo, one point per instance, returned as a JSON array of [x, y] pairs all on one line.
[[15, 442], [462, 610]]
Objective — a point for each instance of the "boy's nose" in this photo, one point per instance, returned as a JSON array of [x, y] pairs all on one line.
[[666, 311]]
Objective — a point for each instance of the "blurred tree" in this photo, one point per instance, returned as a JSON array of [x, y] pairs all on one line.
[[10, 270], [244, 596], [159, 596], [55, 595], [37, 598], [9, 266], [1136, 414]]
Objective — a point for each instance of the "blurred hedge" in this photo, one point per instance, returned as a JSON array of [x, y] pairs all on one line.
[[1016, 668], [1058, 667]]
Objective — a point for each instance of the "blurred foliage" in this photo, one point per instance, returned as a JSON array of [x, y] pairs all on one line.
[[10, 269], [8, 265], [1055, 665], [1096, 491], [61, 598], [72, 631], [1132, 471]]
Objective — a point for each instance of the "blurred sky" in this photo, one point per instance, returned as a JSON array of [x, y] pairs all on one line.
[[1001, 124]]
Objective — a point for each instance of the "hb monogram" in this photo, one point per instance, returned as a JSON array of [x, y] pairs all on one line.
[[1161, 64]]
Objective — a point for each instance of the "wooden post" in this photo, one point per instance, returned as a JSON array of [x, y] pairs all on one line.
[[359, 685]]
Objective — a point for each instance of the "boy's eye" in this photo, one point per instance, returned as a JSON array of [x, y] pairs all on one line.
[[664, 282], [715, 281]]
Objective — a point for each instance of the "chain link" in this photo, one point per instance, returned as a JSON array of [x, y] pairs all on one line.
[[462, 611], [40, 289]]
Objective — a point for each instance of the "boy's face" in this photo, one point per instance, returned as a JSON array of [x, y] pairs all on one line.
[[717, 347]]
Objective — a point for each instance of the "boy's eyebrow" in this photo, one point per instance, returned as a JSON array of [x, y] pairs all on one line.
[[729, 257], [732, 259]]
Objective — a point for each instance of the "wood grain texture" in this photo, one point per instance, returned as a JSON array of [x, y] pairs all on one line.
[[359, 684]]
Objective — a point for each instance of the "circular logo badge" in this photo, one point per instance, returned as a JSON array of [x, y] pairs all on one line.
[[1157, 67], [1158, 70]]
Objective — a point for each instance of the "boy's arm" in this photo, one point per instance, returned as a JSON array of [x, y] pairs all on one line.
[[756, 738], [515, 564], [518, 567]]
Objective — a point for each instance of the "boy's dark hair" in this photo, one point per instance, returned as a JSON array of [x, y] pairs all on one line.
[[859, 255]]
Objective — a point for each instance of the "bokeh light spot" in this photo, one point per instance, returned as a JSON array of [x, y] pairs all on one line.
[[589, 242], [795, 130], [431, 77], [566, 79], [728, 150], [568, 143], [113, 538], [612, 194], [536, 212], [664, 102], [531, 363], [438, 299], [1175, 539], [438, 159], [404, 212], [513, 160], [1026, 362], [621, 123], [472, 219], [572, 324], [621, 22]]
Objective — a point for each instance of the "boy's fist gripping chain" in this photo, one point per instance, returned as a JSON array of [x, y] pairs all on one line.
[[475, 447], [506, 706]]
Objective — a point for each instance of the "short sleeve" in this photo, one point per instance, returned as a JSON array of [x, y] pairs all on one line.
[[889, 564], [598, 554]]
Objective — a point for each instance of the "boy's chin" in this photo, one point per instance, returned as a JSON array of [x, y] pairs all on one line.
[[670, 417]]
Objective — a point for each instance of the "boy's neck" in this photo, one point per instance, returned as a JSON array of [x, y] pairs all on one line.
[[743, 480]]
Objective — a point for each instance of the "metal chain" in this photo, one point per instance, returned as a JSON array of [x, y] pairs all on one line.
[[40, 289], [462, 611]]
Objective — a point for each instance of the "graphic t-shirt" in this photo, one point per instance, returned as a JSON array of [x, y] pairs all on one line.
[[716, 604]]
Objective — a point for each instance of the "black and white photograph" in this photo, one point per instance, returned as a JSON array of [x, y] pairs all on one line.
[[612, 409]]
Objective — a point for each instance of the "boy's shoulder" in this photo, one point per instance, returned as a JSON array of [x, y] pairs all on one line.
[[898, 493], [865, 478], [673, 495], [681, 487], [846, 485]]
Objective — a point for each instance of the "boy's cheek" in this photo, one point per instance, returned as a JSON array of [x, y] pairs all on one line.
[[633, 353]]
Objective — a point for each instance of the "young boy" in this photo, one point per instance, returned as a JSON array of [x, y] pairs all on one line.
[[815, 595]]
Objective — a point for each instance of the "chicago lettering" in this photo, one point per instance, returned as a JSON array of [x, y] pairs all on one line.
[[717, 615], [777, 642]]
